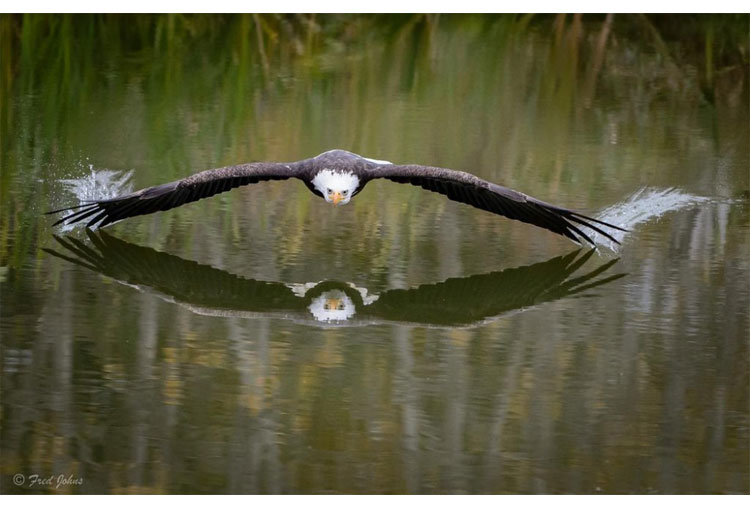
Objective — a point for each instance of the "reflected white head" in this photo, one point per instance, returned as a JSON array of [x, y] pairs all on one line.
[[332, 306], [336, 187]]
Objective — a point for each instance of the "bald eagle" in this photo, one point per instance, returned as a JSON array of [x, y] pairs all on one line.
[[206, 290], [337, 176]]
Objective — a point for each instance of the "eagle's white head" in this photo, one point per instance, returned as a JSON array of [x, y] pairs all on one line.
[[336, 187], [332, 306]]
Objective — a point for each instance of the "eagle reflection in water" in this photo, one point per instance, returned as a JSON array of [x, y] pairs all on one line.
[[454, 302]]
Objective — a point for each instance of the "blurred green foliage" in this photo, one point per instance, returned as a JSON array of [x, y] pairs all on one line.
[[68, 55]]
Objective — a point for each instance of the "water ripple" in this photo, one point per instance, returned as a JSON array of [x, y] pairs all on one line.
[[97, 185], [644, 205]]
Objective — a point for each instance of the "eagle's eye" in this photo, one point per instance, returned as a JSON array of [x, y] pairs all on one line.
[[326, 306], [329, 190], [345, 192], [340, 306]]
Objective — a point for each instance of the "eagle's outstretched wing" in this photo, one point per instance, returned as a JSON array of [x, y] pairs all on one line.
[[170, 195], [200, 287], [469, 189], [471, 300]]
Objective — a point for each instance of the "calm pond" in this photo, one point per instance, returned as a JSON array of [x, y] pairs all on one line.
[[263, 341]]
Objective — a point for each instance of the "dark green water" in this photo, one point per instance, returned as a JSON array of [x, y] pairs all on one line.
[[180, 352]]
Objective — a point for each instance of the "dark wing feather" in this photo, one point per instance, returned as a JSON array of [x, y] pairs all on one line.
[[469, 189], [469, 300], [197, 285], [170, 195]]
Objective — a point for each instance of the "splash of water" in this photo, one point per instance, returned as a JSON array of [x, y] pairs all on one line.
[[97, 185], [644, 205]]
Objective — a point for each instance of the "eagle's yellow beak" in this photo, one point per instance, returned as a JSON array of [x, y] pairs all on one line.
[[337, 198], [332, 304]]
